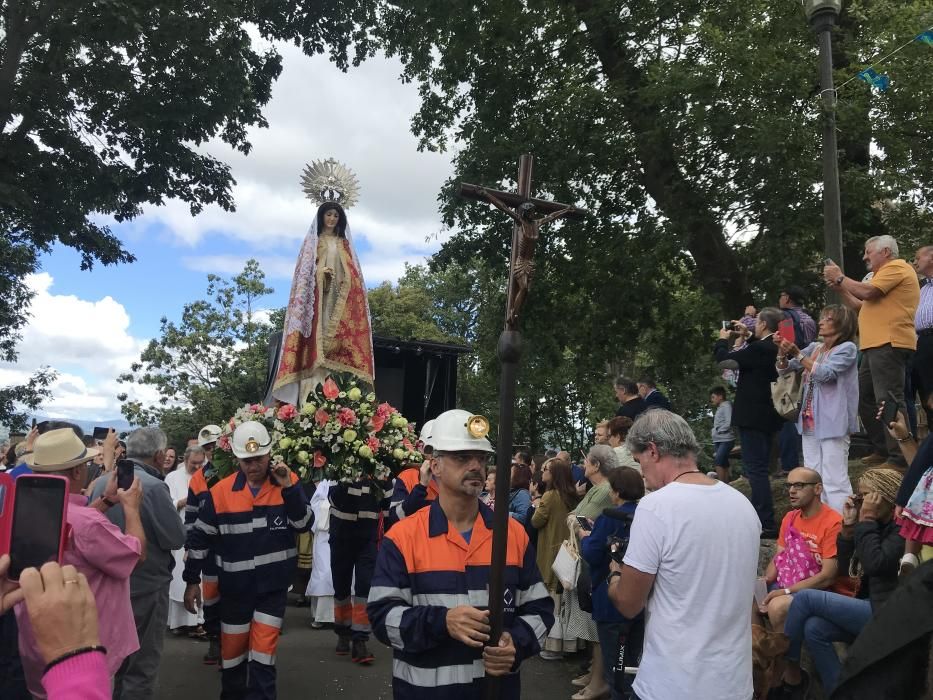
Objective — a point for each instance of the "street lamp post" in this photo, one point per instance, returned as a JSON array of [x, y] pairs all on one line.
[[822, 15]]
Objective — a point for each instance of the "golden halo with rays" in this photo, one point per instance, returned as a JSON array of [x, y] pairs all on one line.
[[329, 181]]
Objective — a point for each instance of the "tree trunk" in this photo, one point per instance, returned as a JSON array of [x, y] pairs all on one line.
[[684, 205]]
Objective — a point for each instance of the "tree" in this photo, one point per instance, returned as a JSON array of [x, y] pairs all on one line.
[[29, 396], [209, 364], [104, 105]]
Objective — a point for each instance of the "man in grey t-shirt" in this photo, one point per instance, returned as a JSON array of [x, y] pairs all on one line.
[[137, 678]]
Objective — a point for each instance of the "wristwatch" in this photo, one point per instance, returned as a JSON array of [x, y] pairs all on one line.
[[108, 502]]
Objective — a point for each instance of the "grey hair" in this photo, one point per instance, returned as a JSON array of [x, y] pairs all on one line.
[[884, 241], [143, 443], [603, 457], [669, 432], [193, 450], [771, 317]]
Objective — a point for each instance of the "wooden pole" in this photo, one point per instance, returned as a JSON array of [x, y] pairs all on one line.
[[509, 352]]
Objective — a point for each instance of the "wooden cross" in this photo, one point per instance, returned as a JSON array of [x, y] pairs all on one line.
[[523, 210]]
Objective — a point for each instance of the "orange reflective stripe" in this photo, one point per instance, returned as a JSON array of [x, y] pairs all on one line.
[[263, 638], [343, 612], [209, 589], [359, 614], [233, 645]]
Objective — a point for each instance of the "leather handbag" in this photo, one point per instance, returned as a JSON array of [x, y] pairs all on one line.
[[786, 394]]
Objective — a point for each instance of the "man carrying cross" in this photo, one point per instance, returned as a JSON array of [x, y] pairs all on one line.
[[429, 598]]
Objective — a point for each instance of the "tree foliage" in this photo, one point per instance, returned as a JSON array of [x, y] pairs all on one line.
[[104, 105], [210, 363]]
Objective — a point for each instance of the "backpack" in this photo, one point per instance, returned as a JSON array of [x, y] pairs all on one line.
[[799, 336]]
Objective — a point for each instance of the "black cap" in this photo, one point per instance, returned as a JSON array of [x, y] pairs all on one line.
[[796, 294]]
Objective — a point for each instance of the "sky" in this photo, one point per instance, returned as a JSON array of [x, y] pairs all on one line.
[[90, 326]]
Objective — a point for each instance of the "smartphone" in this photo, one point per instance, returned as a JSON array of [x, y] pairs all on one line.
[[100, 433], [785, 330], [125, 474], [725, 326], [889, 412], [584, 523], [37, 533], [761, 592]]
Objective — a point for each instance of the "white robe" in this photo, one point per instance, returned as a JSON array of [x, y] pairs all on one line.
[[177, 482]]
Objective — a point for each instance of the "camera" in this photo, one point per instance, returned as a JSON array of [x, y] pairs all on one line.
[[617, 547]]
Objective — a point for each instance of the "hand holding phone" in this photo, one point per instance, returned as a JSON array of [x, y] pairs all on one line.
[[889, 410], [125, 474], [37, 533]]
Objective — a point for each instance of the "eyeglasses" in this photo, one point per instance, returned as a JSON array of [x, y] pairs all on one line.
[[797, 485], [464, 458]]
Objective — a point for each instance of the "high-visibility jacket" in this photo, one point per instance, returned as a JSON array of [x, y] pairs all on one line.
[[409, 495], [355, 507], [200, 483], [424, 568], [252, 537]]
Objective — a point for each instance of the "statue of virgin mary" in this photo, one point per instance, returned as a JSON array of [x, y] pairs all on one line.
[[327, 324]]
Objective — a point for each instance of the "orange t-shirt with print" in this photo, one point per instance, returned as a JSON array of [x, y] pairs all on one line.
[[820, 531]]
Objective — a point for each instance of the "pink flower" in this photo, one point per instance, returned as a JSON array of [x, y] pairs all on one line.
[[377, 422], [319, 459], [223, 442], [257, 408], [331, 390], [373, 443], [384, 410], [321, 417], [232, 424], [346, 417], [287, 412], [408, 446]]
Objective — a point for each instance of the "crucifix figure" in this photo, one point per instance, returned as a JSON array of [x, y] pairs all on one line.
[[529, 215]]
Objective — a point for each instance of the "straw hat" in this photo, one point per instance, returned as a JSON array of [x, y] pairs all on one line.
[[58, 450]]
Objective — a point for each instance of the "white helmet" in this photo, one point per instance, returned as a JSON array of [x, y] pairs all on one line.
[[458, 430], [425, 435], [209, 433], [251, 439]]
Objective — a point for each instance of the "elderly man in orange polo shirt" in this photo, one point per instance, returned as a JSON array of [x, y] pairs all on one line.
[[886, 305]]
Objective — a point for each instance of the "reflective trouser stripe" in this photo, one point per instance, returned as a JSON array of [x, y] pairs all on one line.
[[442, 675], [343, 612], [360, 620], [210, 590], [234, 643]]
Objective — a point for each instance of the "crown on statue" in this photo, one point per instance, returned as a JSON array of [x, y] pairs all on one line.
[[329, 181]]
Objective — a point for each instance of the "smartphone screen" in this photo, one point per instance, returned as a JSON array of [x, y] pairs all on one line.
[[584, 523], [889, 412], [38, 518], [100, 433], [125, 474]]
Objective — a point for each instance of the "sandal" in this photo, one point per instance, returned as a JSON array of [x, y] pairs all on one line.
[[197, 632]]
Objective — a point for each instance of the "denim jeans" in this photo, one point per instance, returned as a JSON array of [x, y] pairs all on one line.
[[789, 446], [721, 455], [820, 618], [756, 450]]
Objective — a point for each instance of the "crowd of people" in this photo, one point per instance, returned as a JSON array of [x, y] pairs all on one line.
[[633, 558]]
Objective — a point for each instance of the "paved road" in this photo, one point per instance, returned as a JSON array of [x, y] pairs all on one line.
[[309, 670]]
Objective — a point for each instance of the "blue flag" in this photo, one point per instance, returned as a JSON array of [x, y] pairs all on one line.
[[926, 37], [872, 78]]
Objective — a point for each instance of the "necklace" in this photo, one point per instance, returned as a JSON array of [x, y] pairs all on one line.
[[689, 471]]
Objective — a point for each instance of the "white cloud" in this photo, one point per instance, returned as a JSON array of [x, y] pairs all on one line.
[[361, 118], [87, 342]]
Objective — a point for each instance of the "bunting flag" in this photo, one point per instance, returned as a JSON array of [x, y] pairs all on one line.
[[870, 76], [926, 37]]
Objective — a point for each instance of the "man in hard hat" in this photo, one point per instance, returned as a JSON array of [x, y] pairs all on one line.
[[429, 596], [201, 481], [249, 520], [414, 488]]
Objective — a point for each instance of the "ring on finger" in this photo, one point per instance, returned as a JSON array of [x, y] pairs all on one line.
[[71, 580]]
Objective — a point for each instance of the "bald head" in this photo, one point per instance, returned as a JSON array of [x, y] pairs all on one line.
[[804, 487]]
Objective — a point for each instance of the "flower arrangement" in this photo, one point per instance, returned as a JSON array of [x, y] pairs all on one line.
[[339, 433]]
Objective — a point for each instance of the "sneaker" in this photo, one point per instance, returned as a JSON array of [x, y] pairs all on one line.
[[343, 646], [874, 458], [213, 652], [551, 655], [799, 691], [909, 562], [361, 654], [582, 681]]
